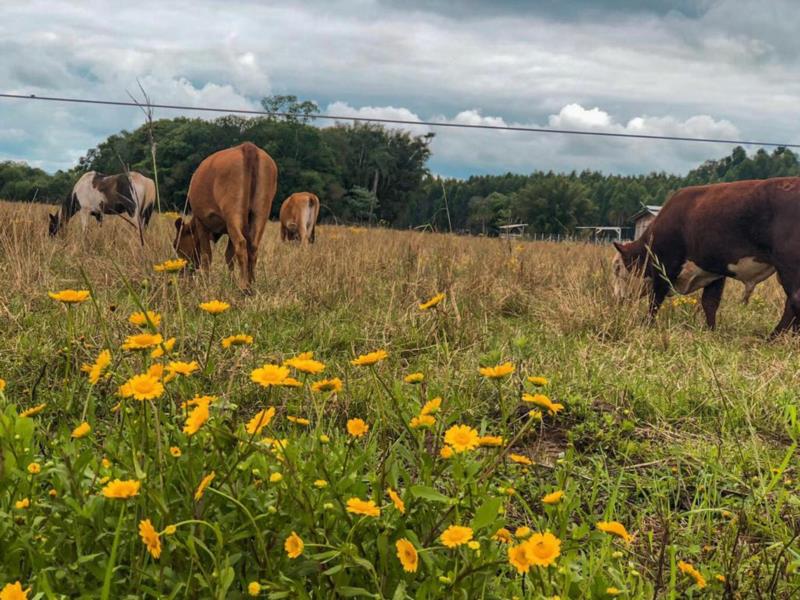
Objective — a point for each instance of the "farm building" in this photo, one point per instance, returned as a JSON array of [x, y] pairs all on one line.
[[643, 218]]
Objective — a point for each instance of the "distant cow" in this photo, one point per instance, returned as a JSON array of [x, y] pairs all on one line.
[[127, 194], [231, 193], [746, 230], [299, 214]]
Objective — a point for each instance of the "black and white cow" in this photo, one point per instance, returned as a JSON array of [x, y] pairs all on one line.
[[130, 195]]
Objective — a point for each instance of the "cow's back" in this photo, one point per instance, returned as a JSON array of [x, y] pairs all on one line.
[[241, 179], [719, 223]]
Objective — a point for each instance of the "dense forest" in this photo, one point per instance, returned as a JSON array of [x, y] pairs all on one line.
[[367, 173]]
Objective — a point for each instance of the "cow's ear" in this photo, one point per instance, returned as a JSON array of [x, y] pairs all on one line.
[[178, 223], [621, 248]]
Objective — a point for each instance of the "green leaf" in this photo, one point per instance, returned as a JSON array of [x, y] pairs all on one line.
[[428, 493], [352, 592], [400, 591], [486, 514]]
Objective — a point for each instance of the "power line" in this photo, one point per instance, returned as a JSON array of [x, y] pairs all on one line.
[[641, 136]]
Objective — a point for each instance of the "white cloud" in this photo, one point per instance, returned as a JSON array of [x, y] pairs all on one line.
[[729, 68]]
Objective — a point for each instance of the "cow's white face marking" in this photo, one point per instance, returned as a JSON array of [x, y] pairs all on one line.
[[625, 283], [750, 271]]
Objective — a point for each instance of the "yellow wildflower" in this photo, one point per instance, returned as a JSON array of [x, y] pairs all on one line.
[[520, 459], [142, 387], [269, 375], [688, 569], [70, 296], [320, 483], [538, 381], [414, 378], [81, 430], [553, 497], [327, 385], [201, 489], [431, 406], [422, 421], [95, 370], [397, 501], [275, 478], [254, 588], [615, 528], [455, 535], [407, 555], [260, 420], [170, 266], [150, 538], [177, 367], [490, 440], [22, 504], [140, 319], [432, 302], [163, 348], [293, 546], [363, 507], [462, 438], [543, 401], [503, 536], [240, 339], [122, 490], [446, 452], [175, 451], [214, 307], [357, 427], [34, 468], [369, 359], [142, 341], [35, 410], [14, 591], [308, 365], [196, 419], [497, 372], [298, 420]]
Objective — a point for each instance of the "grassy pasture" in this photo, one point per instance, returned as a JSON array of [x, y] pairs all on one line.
[[686, 437]]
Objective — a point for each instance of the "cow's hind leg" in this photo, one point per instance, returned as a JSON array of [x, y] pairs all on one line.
[[712, 296], [230, 254], [790, 281]]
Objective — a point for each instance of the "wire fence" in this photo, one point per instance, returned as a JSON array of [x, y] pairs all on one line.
[[409, 122]]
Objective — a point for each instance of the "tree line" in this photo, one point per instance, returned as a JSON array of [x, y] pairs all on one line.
[[366, 173]]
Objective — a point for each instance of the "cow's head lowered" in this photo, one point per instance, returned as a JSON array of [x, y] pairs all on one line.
[[629, 271], [187, 242]]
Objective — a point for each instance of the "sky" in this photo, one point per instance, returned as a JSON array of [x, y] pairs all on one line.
[[702, 68]]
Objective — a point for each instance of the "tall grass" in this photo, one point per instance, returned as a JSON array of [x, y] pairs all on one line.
[[686, 436]]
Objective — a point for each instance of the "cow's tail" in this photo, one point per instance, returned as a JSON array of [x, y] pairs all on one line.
[[262, 181]]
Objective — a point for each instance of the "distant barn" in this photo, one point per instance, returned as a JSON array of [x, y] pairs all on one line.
[[643, 218]]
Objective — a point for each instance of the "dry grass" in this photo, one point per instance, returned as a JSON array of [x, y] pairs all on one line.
[[679, 422]]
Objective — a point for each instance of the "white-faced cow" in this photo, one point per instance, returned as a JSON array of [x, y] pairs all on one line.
[[745, 230], [130, 195], [231, 193], [299, 214]]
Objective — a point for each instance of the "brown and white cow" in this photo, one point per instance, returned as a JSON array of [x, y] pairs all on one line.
[[231, 193], [130, 195], [745, 230], [299, 214]]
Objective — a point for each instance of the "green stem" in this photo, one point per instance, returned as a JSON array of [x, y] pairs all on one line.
[[106, 593]]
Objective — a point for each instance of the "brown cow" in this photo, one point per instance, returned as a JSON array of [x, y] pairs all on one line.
[[299, 214], [745, 230], [231, 192]]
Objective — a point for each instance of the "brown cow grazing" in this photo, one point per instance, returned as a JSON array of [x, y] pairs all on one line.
[[745, 230], [299, 214], [231, 192]]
